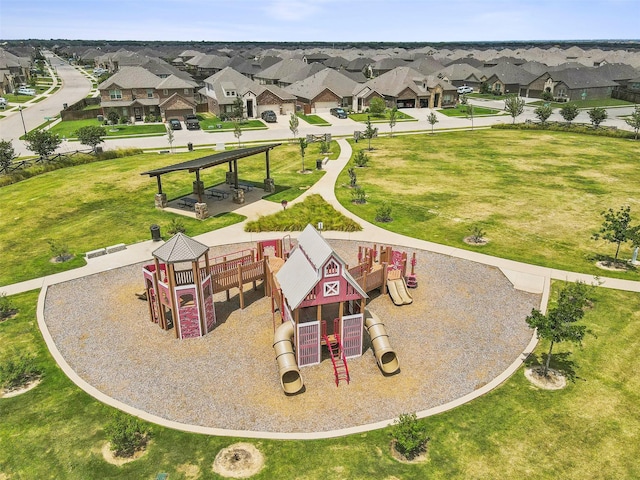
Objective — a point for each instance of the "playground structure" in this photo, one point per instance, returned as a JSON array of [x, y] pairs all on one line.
[[319, 300]]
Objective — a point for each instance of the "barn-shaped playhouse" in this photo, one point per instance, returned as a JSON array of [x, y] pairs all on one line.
[[321, 304]]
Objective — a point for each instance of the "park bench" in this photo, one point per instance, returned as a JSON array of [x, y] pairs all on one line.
[[218, 194], [187, 202]]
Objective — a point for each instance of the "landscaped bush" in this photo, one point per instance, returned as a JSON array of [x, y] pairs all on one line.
[[176, 226], [18, 371], [358, 195], [7, 308], [126, 434], [361, 159], [383, 213], [563, 127], [409, 434]]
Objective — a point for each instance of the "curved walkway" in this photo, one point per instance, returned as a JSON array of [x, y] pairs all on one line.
[[524, 277]]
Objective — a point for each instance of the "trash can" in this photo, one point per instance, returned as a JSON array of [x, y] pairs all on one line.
[[155, 233], [100, 118], [190, 146], [64, 106], [98, 149], [319, 164]]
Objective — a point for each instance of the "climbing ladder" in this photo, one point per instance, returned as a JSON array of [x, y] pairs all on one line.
[[338, 359]]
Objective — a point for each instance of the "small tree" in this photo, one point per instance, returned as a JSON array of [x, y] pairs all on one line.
[[7, 307], [170, 137], [559, 324], [42, 142], [409, 434], [358, 195], [569, 111], [634, 120], [393, 118], [383, 213], [514, 105], [432, 119], [7, 154], [361, 159], [303, 146], [237, 131], [617, 228], [353, 178], [113, 117], [469, 114], [91, 135], [597, 116], [126, 434], [237, 109], [370, 132], [543, 112], [59, 250], [377, 107], [294, 123]]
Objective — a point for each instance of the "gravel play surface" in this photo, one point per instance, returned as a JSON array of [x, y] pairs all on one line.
[[465, 326]]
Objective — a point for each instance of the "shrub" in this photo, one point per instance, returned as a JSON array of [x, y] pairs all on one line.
[[113, 117], [7, 308], [477, 234], [176, 226], [18, 371], [383, 213], [59, 250], [547, 96], [358, 195], [409, 434], [324, 147], [126, 434], [361, 159]]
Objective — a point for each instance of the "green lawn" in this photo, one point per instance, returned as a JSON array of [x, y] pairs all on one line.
[[461, 111], [104, 203], [313, 120], [211, 123], [537, 194], [590, 429], [68, 129], [598, 102], [384, 118]]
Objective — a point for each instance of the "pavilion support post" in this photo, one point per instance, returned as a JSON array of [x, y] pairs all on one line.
[[231, 176], [198, 186], [269, 184], [161, 198]]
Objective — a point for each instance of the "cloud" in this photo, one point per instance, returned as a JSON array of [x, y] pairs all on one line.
[[291, 10]]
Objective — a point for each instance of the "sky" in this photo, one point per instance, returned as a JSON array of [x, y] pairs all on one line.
[[320, 20]]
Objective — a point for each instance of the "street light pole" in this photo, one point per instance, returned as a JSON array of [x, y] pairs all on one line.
[[22, 117]]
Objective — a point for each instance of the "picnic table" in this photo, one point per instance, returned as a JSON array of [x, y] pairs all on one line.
[[187, 202], [218, 194], [247, 187]]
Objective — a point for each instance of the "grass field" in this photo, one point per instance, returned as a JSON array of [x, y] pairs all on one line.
[[384, 118], [597, 102], [588, 430], [313, 120], [461, 111], [68, 129], [537, 194], [104, 203]]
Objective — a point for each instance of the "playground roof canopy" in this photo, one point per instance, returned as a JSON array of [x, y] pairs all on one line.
[[211, 160], [180, 248]]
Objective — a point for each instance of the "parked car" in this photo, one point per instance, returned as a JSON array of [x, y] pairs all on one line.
[[338, 112], [465, 89], [191, 122], [269, 116], [3, 102], [26, 91], [175, 124]]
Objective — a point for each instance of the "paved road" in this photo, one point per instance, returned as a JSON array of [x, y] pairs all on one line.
[[75, 86]]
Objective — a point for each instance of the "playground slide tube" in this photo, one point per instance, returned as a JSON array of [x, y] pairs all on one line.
[[290, 378], [385, 356]]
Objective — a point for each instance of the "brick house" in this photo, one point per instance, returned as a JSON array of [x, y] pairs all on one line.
[[134, 93], [324, 90]]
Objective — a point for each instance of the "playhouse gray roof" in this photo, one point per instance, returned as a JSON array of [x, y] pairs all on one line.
[[303, 269], [180, 248]]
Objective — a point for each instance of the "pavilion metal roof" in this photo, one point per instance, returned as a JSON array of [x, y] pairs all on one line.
[[211, 160]]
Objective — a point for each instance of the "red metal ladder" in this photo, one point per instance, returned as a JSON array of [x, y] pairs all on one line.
[[338, 359]]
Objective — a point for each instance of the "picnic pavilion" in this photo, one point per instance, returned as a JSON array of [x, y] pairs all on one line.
[[230, 157]]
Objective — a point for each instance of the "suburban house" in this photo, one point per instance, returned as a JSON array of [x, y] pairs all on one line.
[[301, 74], [272, 75], [134, 93], [203, 66], [572, 84], [507, 78], [223, 88], [14, 70], [324, 90], [404, 87], [459, 74]]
